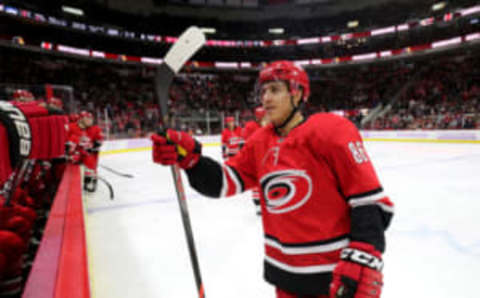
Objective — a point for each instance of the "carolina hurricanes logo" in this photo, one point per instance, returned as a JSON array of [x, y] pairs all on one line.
[[286, 190]]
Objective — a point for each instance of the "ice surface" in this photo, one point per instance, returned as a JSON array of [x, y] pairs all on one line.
[[137, 246]]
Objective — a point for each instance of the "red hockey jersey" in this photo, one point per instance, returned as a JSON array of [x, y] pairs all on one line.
[[95, 134], [84, 137], [249, 128], [232, 141], [74, 133], [310, 182]]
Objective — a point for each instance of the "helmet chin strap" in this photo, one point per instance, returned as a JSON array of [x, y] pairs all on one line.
[[290, 116]]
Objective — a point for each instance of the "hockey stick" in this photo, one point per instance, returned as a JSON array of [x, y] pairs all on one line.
[[110, 188], [13, 182], [19, 136], [186, 46], [116, 172]]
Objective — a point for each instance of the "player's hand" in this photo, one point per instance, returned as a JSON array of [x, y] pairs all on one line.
[[176, 147], [75, 157], [95, 147], [72, 153], [358, 273]]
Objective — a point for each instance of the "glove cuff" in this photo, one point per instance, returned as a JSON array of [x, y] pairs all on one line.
[[363, 254], [189, 162]]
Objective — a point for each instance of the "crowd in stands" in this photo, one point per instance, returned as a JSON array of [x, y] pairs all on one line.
[[445, 96], [437, 92]]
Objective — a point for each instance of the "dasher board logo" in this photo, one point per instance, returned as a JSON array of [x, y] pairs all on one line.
[[20, 127], [286, 190]]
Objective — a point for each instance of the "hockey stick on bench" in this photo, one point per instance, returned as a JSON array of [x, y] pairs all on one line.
[[182, 50]]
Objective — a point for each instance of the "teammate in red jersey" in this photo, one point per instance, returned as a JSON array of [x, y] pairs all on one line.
[[253, 125], [248, 130], [23, 96], [55, 103], [83, 146], [324, 210], [232, 140]]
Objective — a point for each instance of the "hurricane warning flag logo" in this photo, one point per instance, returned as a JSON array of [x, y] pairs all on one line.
[[286, 190]]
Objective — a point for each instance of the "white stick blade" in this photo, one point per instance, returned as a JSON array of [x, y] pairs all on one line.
[[184, 48]]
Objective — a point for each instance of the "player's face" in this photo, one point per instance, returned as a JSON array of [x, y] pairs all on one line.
[[87, 121], [276, 98], [230, 125]]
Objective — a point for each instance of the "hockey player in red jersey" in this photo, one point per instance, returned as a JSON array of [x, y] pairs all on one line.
[[248, 130], [21, 95], [55, 103], [232, 140], [324, 210], [252, 125], [83, 146]]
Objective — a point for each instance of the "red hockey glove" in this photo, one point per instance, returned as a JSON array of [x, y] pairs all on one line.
[[176, 147], [75, 158], [358, 273], [73, 153], [95, 147]]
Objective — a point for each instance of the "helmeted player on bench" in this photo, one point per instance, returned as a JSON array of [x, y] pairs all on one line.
[[324, 209], [232, 139], [83, 146]]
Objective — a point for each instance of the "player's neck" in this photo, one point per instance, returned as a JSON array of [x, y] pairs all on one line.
[[296, 120]]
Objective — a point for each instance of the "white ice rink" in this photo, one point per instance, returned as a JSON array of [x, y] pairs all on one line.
[[137, 246]]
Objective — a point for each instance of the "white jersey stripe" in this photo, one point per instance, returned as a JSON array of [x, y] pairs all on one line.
[[366, 200], [321, 248], [385, 207], [300, 269], [231, 175], [223, 191]]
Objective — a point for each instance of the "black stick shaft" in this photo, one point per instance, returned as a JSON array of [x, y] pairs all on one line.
[[182, 201], [116, 172], [163, 79], [110, 187], [15, 182]]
